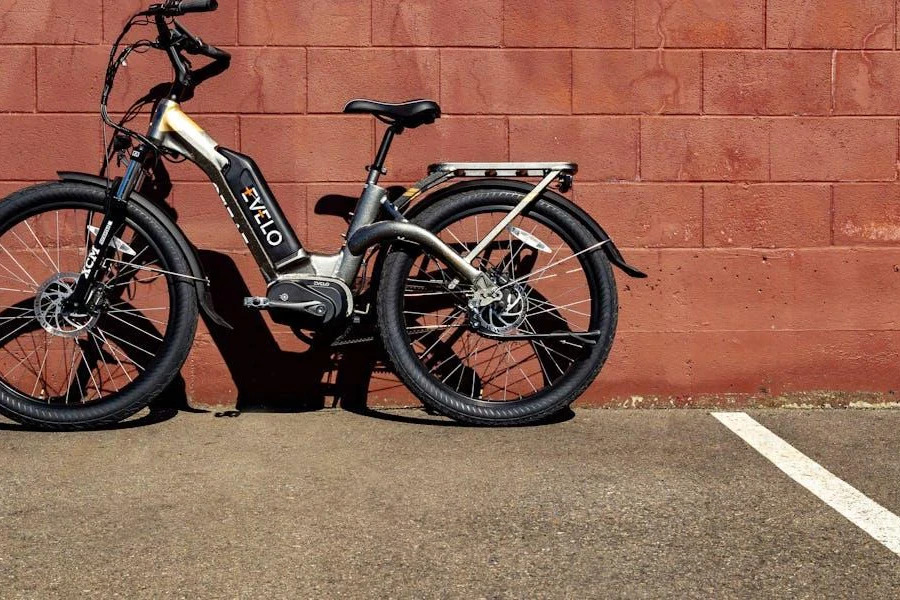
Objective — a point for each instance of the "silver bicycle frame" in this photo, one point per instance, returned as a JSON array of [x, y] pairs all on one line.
[[174, 130]]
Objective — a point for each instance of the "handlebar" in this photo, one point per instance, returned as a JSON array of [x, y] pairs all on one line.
[[187, 6], [173, 41], [209, 51], [175, 8], [194, 45]]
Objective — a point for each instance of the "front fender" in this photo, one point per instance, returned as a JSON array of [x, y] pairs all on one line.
[[612, 252], [188, 249]]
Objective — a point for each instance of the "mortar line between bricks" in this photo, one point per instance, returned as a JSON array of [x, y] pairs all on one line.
[[503, 23], [237, 23], [682, 116], [35, 55], [773, 253], [758, 182], [636, 184], [622, 182], [634, 44], [671, 117], [508, 139], [640, 150], [832, 214], [278, 114], [581, 182], [702, 82], [667, 49], [703, 216], [833, 89], [799, 330], [765, 38], [394, 47]]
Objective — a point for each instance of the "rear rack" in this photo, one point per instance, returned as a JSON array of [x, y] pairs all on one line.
[[525, 169], [442, 172]]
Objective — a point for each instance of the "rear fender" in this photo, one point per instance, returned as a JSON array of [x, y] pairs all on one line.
[[612, 252], [190, 253]]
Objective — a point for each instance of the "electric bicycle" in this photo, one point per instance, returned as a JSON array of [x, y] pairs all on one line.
[[493, 294]]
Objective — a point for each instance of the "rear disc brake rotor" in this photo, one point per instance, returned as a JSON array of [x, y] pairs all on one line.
[[507, 314]]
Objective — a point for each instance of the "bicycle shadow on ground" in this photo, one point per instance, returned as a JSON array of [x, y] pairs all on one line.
[[269, 379]]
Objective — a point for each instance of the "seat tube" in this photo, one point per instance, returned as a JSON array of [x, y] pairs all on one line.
[[366, 213], [368, 206]]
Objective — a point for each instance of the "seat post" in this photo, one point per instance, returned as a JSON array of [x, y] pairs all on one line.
[[376, 169]]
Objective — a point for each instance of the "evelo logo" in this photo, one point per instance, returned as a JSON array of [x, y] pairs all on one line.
[[261, 216]]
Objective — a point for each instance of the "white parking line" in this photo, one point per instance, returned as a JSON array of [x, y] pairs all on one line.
[[859, 509]]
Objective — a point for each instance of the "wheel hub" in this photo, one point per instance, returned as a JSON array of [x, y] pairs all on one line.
[[505, 314], [48, 307]]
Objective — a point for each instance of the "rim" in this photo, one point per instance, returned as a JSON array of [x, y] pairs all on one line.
[[55, 357], [546, 289]]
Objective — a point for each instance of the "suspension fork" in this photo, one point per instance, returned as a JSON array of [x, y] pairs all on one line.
[[95, 267]]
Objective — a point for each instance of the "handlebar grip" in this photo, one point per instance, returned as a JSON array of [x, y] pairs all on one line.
[[189, 6], [214, 53]]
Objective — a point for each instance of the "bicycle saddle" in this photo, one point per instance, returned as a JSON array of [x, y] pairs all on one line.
[[406, 114]]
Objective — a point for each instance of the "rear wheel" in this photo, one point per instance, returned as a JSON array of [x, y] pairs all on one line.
[[516, 360], [65, 370]]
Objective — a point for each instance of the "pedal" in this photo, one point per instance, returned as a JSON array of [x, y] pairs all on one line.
[[258, 302]]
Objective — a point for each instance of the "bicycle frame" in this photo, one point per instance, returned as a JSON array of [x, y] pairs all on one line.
[[174, 130]]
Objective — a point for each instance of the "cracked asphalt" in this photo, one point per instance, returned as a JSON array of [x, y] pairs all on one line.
[[331, 504]]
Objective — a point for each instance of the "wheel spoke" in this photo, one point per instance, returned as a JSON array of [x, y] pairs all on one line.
[[126, 342], [37, 379], [112, 351], [105, 362], [538, 292], [89, 370], [47, 254], [28, 275], [133, 326], [107, 354]]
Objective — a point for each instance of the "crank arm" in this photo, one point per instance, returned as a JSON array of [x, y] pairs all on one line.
[[313, 307]]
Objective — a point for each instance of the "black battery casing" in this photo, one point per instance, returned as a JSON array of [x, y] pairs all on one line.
[[258, 204]]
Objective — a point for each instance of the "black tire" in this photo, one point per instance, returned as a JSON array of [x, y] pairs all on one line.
[[161, 353], [472, 407]]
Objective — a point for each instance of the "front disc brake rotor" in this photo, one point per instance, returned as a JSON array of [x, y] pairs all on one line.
[[48, 307]]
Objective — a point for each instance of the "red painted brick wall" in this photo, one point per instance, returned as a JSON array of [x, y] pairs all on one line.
[[743, 152]]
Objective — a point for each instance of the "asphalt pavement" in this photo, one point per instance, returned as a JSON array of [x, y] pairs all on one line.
[[331, 504]]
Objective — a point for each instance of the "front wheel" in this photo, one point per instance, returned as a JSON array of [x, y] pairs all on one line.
[[62, 369], [523, 357]]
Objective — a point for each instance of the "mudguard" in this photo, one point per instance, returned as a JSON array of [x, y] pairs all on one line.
[[612, 252], [190, 253]]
